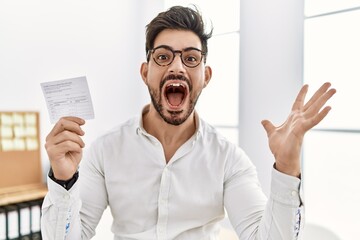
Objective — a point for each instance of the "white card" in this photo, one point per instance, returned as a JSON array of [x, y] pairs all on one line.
[[68, 97]]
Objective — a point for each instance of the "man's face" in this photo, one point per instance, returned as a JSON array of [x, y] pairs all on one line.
[[175, 88]]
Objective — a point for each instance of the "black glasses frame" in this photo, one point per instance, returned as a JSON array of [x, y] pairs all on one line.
[[151, 51]]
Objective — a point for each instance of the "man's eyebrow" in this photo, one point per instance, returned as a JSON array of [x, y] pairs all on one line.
[[192, 48], [184, 49], [164, 46]]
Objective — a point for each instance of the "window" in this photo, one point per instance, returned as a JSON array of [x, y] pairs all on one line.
[[316, 7], [332, 53]]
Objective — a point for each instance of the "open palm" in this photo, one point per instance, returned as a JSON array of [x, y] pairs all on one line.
[[285, 140]]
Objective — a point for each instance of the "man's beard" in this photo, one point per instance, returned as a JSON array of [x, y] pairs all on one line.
[[174, 118]]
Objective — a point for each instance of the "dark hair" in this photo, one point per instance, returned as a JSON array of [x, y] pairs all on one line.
[[180, 18]]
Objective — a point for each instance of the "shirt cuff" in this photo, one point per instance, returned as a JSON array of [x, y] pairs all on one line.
[[285, 189], [67, 184], [59, 195]]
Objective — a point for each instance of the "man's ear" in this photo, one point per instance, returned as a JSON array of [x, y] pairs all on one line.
[[144, 71], [208, 75]]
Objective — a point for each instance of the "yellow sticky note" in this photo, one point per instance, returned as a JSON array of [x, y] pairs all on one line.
[[19, 144], [19, 131], [18, 119], [30, 119], [30, 132], [6, 132], [32, 144], [6, 119], [7, 145]]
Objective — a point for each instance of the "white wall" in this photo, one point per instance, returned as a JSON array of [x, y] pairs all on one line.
[[271, 72], [43, 40]]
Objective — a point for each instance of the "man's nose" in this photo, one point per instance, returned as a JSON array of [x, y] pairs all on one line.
[[177, 65]]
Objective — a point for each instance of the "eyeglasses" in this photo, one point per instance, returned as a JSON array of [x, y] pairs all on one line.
[[163, 56]]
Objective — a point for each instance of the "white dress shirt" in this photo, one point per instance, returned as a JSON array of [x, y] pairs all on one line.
[[183, 199]]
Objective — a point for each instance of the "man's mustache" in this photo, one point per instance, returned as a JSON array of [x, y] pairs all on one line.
[[175, 77]]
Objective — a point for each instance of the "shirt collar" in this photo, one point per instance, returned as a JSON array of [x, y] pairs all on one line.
[[140, 128]]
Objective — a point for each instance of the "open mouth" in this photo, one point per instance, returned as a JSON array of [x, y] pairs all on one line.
[[175, 94]]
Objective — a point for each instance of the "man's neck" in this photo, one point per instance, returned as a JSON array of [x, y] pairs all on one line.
[[167, 134]]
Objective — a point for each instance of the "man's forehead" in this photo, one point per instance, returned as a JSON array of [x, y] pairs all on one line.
[[177, 39]]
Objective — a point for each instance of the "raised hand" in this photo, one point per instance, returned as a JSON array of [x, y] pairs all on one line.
[[285, 140], [64, 147]]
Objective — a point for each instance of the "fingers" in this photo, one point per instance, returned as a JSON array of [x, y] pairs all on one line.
[[71, 124], [312, 110], [318, 100], [320, 92], [65, 137], [60, 149], [299, 101], [317, 118]]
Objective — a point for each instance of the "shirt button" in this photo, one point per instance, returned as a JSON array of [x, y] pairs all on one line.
[[293, 193], [66, 196]]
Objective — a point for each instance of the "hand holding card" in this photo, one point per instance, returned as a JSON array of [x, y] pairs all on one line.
[[68, 97], [69, 103]]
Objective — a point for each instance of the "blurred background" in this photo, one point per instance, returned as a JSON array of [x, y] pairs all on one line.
[[261, 53]]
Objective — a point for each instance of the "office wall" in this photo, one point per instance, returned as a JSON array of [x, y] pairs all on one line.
[[271, 73], [44, 40]]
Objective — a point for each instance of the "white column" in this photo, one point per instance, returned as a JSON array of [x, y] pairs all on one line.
[[271, 72]]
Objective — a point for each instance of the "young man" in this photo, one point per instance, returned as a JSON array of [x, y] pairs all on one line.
[[167, 174]]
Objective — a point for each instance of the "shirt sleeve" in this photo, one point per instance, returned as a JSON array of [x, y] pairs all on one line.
[[253, 216], [74, 214], [60, 212]]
